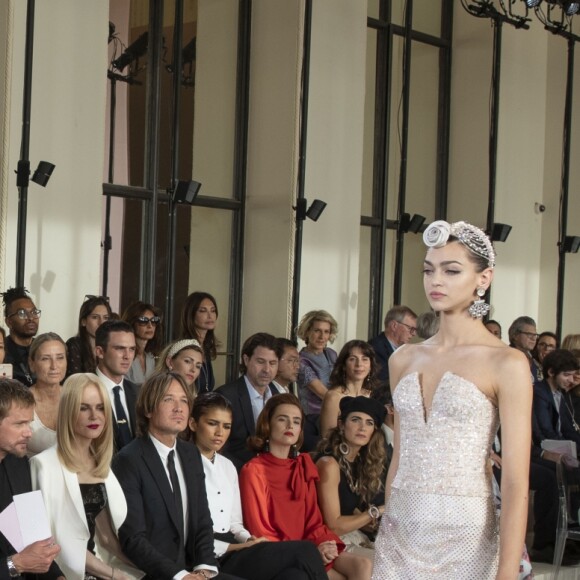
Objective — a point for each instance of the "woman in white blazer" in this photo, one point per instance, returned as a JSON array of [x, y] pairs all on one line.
[[84, 501]]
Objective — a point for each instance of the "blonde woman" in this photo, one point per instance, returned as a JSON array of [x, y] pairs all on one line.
[[185, 357], [84, 501]]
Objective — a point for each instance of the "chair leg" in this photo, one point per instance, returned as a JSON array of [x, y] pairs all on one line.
[[559, 552]]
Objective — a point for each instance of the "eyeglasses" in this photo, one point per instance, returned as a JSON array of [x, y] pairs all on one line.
[[292, 361], [23, 314], [546, 346], [411, 329], [144, 321], [532, 335]]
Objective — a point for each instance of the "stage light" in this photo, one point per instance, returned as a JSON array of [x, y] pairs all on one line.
[[500, 232], [186, 192], [43, 173], [315, 210], [411, 224], [135, 50], [571, 244], [532, 3], [571, 8]]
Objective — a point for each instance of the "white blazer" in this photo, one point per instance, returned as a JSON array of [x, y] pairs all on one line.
[[66, 514]]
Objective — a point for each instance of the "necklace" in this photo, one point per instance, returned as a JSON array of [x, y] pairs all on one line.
[[570, 408]]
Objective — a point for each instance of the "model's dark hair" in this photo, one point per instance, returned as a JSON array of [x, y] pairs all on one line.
[[259, 440], [559, 361], [13, 294], [337, 378], [188, 330], [135, 311], [262, 339], [103, 333], [480, 262], [366, 471]]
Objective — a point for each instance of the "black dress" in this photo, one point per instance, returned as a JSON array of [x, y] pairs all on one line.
[[94, 501]]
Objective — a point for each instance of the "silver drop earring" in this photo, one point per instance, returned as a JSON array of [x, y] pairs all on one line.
[[479, 308]]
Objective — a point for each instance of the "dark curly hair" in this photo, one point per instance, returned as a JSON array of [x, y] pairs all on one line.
[[13, 294], [338, 376]]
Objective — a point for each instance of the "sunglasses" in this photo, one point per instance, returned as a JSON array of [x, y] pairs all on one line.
[[144, 321]]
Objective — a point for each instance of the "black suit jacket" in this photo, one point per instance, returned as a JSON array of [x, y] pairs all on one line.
[[383, 350], [131, 393], [236, 449], [547, 416], [150, 535], [18, 474]]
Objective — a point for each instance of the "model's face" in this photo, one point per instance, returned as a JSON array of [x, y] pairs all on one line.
[[285, 425], [187, 363], [116, 359], [526, 337], [564, 380], [546, 345], [146, 325], [288, 366], [212, 430], [494, 328], [450, 278], [206, 316], [261, 367], [99, 315], [318, 335], [358, 429], [23, 328], [91, 418], [358, 365], [2, 350], [15, 431], [171, 415], [49, 364]]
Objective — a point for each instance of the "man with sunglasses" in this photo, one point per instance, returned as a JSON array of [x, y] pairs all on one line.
[[21, 317], [400, 328], [115, 351]]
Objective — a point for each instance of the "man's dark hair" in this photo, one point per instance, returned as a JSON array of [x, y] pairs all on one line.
[[13, 294], [282, 344], [559, 361], [262, 339], [13, 393], [103, 333]]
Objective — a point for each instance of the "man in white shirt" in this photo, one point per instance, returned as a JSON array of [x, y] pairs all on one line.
[[115, 351]]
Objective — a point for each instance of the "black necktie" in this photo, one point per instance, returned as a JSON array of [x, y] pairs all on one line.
[[122, 421], [176, 488]]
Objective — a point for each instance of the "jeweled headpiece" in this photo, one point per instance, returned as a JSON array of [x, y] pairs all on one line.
[[472, 237], [181, 344]]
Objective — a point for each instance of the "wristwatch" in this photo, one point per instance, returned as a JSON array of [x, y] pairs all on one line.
[[12, 571]]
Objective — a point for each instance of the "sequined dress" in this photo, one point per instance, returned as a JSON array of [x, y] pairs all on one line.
[[440, 521]]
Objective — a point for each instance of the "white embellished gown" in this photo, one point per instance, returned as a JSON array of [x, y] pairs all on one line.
[[440, 521]]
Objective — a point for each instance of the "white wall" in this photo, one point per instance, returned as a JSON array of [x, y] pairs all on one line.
[[67, 129]]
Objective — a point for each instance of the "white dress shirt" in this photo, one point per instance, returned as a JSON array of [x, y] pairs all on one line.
[[257, 400]]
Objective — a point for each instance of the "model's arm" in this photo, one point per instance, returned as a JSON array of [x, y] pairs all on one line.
[[329, 500], [514, 393], [330, 411]]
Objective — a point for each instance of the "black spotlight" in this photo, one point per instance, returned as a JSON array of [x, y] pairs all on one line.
[[186, 191], [571, 244], [416, 223], [532, 3], [571, 8], [43, 173], [500, 232], [315, 210], [135, 50]]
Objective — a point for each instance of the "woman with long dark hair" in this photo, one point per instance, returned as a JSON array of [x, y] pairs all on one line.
[[354, 374], [81, 348], [145, 319], [198, 320]]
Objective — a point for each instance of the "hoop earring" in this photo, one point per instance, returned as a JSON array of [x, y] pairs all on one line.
[[344, 448], [479, 308], [293, 452], [266, 448]]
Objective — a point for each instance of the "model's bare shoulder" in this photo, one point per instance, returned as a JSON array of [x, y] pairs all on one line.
[[400, 362]]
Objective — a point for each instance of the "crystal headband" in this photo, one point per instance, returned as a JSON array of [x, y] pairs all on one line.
[[475, 239], [181, 344]]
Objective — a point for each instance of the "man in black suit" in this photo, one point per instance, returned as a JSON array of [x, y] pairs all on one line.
[[115, 351], [400, 328], [16, 413], [249, 393], [553, 409], [168, 532]]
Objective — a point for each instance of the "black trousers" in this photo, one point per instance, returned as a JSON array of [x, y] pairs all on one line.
[[275, 561], [543, 481]]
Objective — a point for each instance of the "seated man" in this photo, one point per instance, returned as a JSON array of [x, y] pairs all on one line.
[[249, 393], [554, 415], [16, 414], [168, 532]]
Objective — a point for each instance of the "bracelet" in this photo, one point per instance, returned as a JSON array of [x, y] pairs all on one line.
[[374, 512]]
